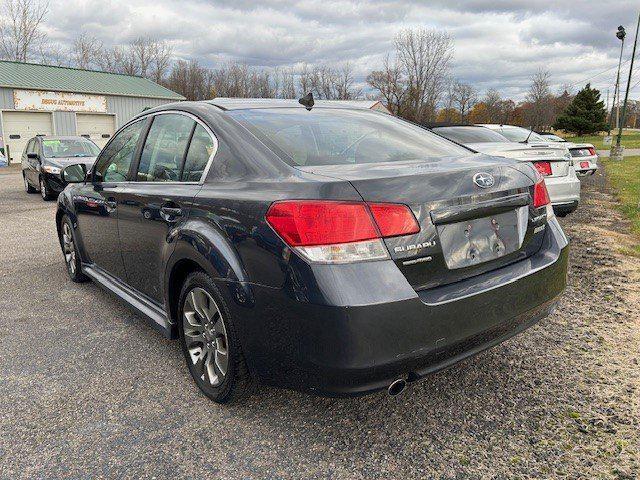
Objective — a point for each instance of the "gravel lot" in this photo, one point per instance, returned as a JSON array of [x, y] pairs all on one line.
[[88, 390]]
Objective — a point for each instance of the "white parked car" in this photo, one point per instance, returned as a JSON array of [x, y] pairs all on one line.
[[585, 158], [552, 161]]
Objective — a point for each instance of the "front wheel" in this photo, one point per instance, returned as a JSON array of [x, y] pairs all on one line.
[[210, 343], [45, 191]]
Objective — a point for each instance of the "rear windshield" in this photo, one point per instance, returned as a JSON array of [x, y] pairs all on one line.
[[466, 135], [326, 136], [518, 134], [55, 148]]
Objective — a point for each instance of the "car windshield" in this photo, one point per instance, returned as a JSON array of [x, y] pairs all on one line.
[[467, 135], [61, 148], [326, 136], [519, 134]]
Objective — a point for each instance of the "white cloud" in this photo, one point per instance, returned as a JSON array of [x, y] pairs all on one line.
[[499, 44]]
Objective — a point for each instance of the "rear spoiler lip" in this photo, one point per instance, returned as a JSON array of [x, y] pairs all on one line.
[[460, 213]]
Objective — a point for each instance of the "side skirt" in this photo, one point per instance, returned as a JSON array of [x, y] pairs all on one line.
[[156, 316]]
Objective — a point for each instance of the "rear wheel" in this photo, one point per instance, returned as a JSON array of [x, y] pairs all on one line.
[[27, 186], [70, 252], [45, 191], [210, 343]]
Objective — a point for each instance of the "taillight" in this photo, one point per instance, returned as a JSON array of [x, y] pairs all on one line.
[[393, 219], [543, 167], [592, 151], [338, 232], [540, 194], [584, 164]]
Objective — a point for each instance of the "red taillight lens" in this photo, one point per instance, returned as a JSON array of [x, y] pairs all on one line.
[[543, 167], [317, 222], [592, 151], [394, 220], [313, 222], [540, 194], [584, 164]]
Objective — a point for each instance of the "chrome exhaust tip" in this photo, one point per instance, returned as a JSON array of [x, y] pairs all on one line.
[[397, 387]]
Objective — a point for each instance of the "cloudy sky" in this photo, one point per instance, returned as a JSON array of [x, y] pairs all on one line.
[[498, 43]]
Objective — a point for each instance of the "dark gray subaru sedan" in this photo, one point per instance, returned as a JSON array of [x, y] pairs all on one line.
[[320, 248]]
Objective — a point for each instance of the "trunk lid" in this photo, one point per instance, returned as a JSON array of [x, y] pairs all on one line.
[[465, 229]]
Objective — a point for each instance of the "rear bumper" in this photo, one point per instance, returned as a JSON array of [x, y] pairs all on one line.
[[563, 190], [589, 169], [364, 338]]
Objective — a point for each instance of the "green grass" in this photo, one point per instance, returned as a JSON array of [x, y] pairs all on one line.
[[625, 179], [629, 140]]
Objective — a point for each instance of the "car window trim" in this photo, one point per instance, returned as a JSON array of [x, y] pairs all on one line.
[[205, 173]]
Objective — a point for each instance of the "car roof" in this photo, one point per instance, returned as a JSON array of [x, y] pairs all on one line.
[[227, 103]]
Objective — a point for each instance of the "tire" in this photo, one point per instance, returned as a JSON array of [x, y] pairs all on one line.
[[27, 186], [207, 336], [70, 252], [45, 191]]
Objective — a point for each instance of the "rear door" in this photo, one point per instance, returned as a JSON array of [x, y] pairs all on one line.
[[171, 165]]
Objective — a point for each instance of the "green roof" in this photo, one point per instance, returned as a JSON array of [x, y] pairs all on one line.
[[31, 76]]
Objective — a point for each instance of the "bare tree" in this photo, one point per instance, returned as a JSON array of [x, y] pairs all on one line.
[[540, 112], [425, 56], [390, 85], [345, 83], [20, 32], [493, 102], [191, 80], [464, 97], [85, 51]]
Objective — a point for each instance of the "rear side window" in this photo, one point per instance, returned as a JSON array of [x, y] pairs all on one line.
[[116, 158], [200, 151], [164, 149]]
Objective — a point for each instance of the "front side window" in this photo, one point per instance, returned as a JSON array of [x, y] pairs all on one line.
[[115, 160], [164, 149], [333, 136], [200, 150]]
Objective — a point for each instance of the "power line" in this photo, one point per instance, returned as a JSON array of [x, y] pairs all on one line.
[[598, 74]]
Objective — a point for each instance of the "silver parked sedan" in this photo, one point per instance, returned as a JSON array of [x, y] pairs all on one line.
[[585, 158], [552, 161]]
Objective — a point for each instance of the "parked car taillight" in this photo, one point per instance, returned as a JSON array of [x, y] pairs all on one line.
[[338, 231], [540, 194], [543, 167], [592, 151]]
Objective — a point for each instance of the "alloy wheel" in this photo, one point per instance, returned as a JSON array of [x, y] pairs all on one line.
[[205, 337], [69, 248]]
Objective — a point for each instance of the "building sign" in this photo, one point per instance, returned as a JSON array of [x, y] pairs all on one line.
[[69, 102]]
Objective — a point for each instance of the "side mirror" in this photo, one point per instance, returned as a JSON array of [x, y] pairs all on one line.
[[32, 155], [74, 173]]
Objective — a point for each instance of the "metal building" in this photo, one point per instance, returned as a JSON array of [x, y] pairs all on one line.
[[46, 100]]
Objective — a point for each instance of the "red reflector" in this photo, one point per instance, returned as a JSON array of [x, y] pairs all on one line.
[[316, 222], [592, 151], [543, 167], [584, 164], [540, 194], [394, 219]]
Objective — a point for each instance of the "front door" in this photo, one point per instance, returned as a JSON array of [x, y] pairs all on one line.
[[156, 203], [97, 203]]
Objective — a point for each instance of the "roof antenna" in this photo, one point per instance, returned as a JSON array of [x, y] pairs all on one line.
[[307, 101]]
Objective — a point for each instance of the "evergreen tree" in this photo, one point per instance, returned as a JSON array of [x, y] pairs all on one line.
[[585, 114]]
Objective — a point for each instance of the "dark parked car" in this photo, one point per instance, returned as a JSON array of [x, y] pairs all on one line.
[[44, 158], [332, 250]]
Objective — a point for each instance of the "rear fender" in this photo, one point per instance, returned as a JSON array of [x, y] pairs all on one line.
[[203, 245]]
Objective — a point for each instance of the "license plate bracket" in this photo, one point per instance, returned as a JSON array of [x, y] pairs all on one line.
[[480, 240]]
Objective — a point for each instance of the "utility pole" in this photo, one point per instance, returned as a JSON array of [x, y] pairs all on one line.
[[616, 153], [620, 34]]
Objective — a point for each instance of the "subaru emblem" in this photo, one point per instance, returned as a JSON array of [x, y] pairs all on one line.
[[483, 180]]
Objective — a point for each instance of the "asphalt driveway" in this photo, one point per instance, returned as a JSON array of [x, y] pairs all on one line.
[[88, 390]]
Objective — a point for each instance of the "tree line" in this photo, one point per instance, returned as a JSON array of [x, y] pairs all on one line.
[[414, 81]]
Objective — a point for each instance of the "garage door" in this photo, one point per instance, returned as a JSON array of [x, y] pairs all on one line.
[[19, 127], [98, 128]]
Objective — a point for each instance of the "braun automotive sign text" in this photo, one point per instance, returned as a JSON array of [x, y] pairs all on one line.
[[71, 102]]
